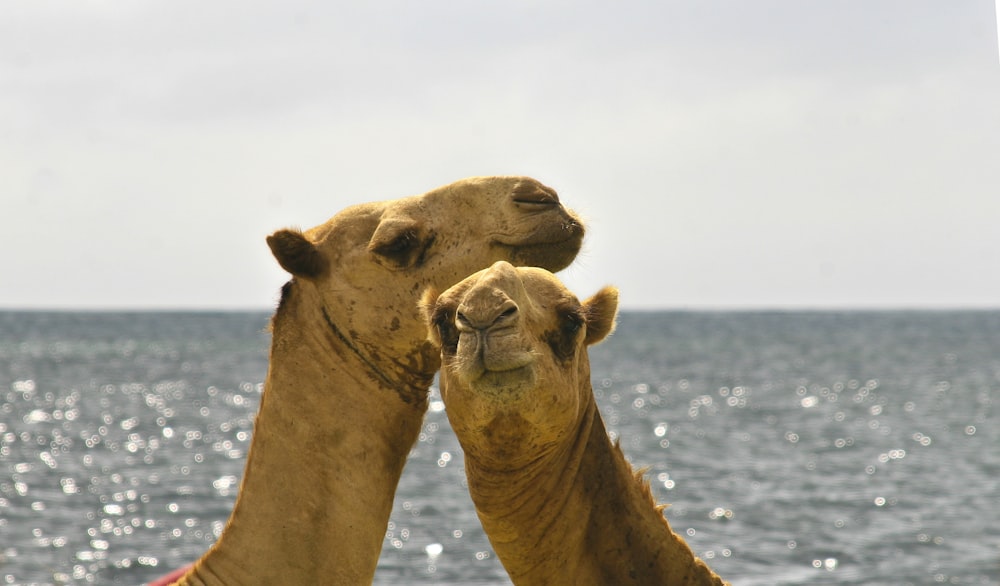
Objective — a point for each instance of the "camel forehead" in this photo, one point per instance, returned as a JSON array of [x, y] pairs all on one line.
[[355, 225], [448, 205], [356, 222], [528, 286], [464, 203], [480, 190], [485, 193]]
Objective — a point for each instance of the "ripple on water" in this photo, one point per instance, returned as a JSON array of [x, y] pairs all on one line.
[[122, 445]]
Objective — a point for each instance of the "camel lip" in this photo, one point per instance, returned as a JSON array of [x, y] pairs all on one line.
[[475, 369], [480, 364], [506, 370], [570, 230], [500, 382]]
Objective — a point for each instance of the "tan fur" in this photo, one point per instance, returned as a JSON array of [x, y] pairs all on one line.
[[558, 500], [350, 368]]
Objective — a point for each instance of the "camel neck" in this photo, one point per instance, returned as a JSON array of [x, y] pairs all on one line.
[[526, 510], [589, 520], [330, 441]]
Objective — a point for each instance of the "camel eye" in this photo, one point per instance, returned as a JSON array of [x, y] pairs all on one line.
[[398, 245], [401, 243], [508, 313], [444, 323], [406, 250], [564, 339], [572, 323]]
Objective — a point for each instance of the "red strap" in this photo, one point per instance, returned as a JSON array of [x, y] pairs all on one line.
[[170, 578]]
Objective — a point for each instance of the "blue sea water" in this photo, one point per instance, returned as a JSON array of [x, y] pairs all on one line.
[[794, 448]]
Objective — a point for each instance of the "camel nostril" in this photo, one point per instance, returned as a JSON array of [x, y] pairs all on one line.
[[533, 196], [485, 320], [540, 202], [507, 314]]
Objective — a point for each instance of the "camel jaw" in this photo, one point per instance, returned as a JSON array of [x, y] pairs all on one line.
[[550, 256], [551, 247]]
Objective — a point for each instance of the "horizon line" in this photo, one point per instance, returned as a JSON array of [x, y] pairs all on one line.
[[624, 309]]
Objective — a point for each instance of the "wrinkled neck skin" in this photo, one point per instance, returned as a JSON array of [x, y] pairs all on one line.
[[580, 515], [329, 445]]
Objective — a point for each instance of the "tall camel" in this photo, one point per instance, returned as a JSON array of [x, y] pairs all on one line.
[[556, 498], [350, 369]]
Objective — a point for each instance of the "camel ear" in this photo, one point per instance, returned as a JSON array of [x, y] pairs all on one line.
[[296, 254], [600, 311], [427, 306]]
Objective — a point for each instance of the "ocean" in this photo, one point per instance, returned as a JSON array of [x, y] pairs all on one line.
[[793, 447]]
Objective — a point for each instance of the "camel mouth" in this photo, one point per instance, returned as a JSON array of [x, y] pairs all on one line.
[[546, 222], [566, 231], [551, 246], [493, 372]]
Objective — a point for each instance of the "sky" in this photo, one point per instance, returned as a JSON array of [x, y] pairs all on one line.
[[775, 154]]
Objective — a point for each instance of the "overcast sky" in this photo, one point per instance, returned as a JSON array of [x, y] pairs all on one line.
[[726, 154]]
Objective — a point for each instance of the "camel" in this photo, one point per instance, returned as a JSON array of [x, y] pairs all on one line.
[[556, 498], [350, 370]]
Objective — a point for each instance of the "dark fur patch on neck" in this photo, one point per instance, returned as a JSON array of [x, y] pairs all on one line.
[[372, 366], [284, 302]]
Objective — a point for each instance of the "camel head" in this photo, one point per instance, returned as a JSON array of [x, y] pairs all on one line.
[[515, 373], [367, 266]]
